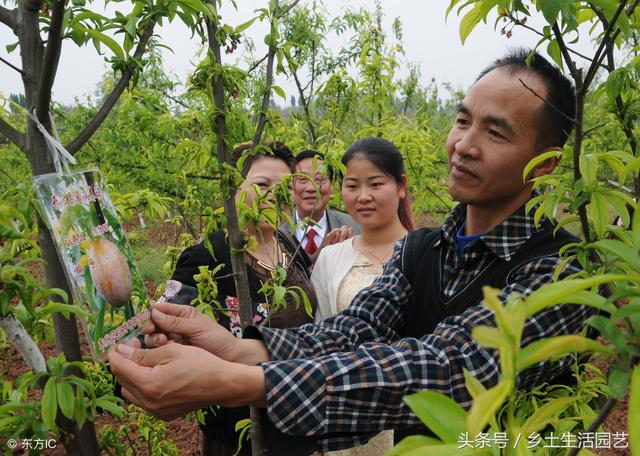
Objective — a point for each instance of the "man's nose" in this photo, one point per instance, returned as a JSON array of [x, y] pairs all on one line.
[[467, 143]]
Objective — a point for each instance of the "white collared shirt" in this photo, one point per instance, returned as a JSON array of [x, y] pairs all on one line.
[[321, 229]]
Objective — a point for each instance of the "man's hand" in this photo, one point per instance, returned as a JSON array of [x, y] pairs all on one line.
[[187, 326], [174, 379], [338, 235]]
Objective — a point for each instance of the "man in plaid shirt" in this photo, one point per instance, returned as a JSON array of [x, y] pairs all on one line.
[[349, 374]]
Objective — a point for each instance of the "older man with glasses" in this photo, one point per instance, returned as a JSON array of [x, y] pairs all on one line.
[[315, 224]]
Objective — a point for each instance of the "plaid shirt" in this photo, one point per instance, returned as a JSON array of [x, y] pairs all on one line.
[[350, 373]]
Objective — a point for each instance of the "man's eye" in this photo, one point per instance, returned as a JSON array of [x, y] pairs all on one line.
[[496, 134], [461, 122]]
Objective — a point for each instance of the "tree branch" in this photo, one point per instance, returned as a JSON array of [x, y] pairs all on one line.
[[13, 135], [547, 102], [50, 61], [110, 101], [20, 338], [608, 39], [519, 23], [12, 66], [305, 106], [262, 117], [9, 17], [285, 11], [257, 63], [236, 238], [564, 50]]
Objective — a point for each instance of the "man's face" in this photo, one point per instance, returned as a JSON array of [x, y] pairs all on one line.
[[305, 196], [494, 136]]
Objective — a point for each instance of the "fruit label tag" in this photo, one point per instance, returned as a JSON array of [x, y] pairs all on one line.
[[95, 254]]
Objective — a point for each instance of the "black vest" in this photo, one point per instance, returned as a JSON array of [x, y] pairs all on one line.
[[422, 265]]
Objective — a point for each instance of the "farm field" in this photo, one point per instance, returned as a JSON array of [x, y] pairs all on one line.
[[163, 146]]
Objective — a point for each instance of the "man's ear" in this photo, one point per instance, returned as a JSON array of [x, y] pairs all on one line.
[[547, 166]]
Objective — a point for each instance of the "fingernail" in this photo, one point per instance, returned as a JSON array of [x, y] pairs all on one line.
[[157, 315], [125, 350]]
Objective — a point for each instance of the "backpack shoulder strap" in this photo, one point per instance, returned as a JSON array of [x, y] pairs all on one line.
[[413, 249]]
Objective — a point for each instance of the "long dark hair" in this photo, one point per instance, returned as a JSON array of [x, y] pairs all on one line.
[[386, 156]]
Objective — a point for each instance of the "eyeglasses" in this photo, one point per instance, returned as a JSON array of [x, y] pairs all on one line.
[[318, 180]]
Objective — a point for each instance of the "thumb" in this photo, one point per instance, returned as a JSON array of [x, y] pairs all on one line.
[[148, 357], [174, 324]]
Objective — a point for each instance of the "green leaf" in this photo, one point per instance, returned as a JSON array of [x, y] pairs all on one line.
[[106, 40], [58, 307], [474, 386], [245, 25], [553, 49], [242, 424], [79, 411], [611, 332], [543, 415], [49, 404], [470, 20], [65, 398], [440, 413], [535, 161], [588, 165], [618, 382], [555, 347], [493, 302], [280, 92], [110, 404], [551, 8], [420, 445], [633, 417], [556, 293], [599, 213], [486, 405], [490, 337], [635, 228], [621, 251]]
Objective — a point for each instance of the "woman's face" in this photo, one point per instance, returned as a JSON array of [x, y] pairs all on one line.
[[264, 174], [371, 196]]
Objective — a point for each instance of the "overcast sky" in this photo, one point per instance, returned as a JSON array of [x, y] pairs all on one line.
[[428, 40]]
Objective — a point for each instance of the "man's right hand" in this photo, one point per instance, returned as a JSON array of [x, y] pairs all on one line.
[[186, 325]]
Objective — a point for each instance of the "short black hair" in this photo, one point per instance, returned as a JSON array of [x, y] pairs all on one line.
[[276, 150], [556, 118], [310, 153]]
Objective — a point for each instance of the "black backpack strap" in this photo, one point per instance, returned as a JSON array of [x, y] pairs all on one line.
[[413, 249]]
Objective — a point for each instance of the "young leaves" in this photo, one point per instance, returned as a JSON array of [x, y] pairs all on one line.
[[440, 413]]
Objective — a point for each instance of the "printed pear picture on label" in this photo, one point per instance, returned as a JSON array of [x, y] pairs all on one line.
[[110, 274]]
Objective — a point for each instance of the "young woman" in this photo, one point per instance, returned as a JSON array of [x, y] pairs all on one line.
[[273, 248], [374, 190]]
